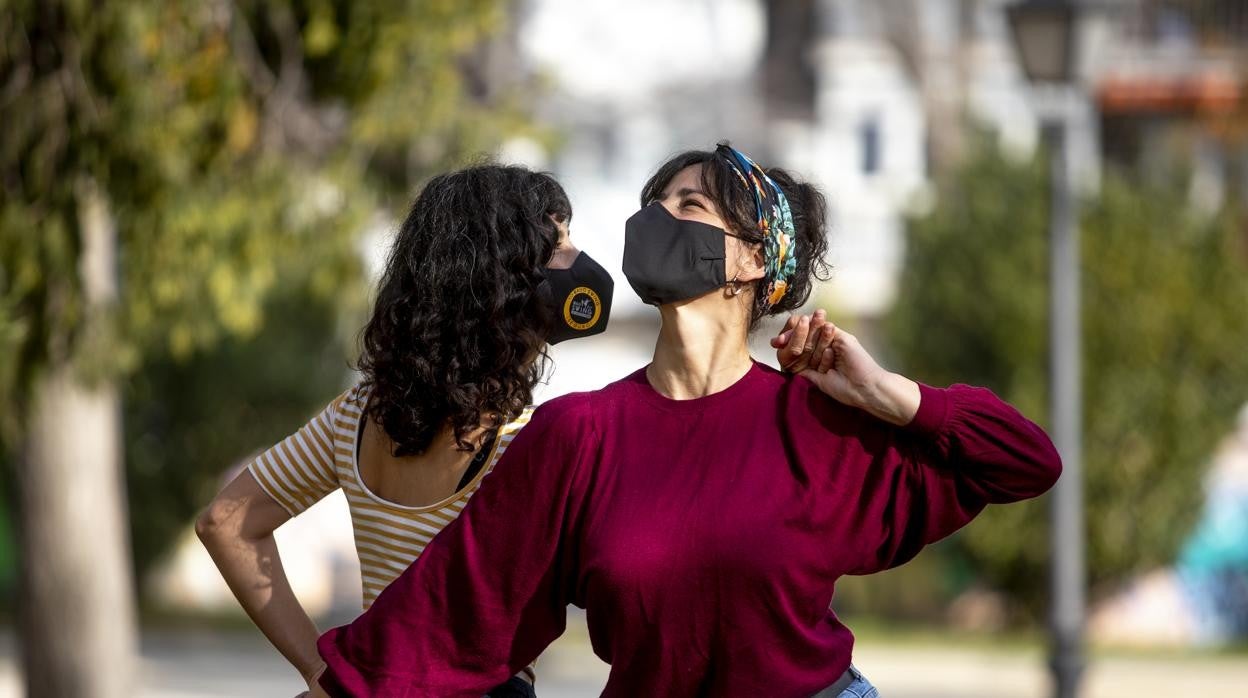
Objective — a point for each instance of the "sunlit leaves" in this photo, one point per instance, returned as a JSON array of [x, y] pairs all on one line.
[[216, 204]]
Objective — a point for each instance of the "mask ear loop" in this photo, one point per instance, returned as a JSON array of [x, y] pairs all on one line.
[[734, 286]]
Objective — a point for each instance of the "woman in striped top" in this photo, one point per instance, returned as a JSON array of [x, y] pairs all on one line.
[[481, 276], [328, 453]]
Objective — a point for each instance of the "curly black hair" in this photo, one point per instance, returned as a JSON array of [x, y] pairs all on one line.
[[458, 330], [736, 206]]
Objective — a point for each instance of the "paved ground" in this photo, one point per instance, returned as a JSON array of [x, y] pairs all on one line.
[[221, 664]]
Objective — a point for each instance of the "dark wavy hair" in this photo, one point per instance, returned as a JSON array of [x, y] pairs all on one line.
[[736, 206], [459, 327]]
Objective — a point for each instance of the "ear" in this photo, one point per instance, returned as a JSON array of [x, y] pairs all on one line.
[[750, 265]]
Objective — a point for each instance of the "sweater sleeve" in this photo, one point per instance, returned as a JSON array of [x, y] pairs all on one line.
[[490, 592], [964, 449]]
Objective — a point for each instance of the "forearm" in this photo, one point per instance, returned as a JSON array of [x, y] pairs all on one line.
[[253, 570], [891, 397]]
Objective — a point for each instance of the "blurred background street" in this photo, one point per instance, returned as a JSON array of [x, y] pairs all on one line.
[[220, 664]]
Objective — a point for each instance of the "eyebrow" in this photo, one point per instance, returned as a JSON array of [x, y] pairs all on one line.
[[686, 191]]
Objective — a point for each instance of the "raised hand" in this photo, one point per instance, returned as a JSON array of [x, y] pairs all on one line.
[[802, 342], [836, 362]]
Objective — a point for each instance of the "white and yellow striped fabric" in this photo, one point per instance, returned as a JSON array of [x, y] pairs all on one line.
[[321, 457]]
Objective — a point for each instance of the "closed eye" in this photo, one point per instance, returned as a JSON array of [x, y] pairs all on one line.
[[689, 203]]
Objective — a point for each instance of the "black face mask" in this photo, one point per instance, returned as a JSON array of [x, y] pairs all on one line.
[[667, 259], [579, 300]]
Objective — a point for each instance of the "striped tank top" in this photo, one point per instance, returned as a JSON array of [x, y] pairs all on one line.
[[321, 457]]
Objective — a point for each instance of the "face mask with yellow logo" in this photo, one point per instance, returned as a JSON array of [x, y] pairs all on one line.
[[580, 299]]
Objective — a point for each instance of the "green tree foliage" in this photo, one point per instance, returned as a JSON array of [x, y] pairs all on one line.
[[240, 147], [187, 421], [224, 136], [146, 101], [1164, 326]]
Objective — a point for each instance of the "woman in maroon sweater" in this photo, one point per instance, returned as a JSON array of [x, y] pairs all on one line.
[[701, 509]]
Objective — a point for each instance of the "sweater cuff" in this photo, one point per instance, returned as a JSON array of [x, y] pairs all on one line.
[[328, 648], [933, 411]]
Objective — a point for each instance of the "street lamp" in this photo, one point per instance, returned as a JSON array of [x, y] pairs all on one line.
[[1045, 34]]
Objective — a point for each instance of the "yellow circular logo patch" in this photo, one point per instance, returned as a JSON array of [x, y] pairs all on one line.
[[582, 308]]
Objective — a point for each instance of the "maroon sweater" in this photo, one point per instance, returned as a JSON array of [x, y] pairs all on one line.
[[703, 537]]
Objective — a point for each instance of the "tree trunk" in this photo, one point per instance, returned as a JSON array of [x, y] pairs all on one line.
[[76, 601]]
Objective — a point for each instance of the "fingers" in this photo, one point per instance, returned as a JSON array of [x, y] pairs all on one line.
[[826, 361], [782, 338], [833, 342], [797, 342], [805, 342], [790, 356], [817, 323], [822, 347]]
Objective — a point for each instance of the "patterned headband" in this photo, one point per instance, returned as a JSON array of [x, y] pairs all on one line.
[[775, 222]]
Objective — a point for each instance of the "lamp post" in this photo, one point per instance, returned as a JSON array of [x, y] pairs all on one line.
[[1044, 33]]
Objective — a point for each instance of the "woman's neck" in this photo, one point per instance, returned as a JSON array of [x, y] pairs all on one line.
[[701, 350]]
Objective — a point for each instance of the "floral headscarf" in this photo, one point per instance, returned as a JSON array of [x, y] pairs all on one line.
[[775, 222]]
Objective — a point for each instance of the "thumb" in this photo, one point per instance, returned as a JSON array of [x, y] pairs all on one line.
[[813, 376], [780, 340]]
